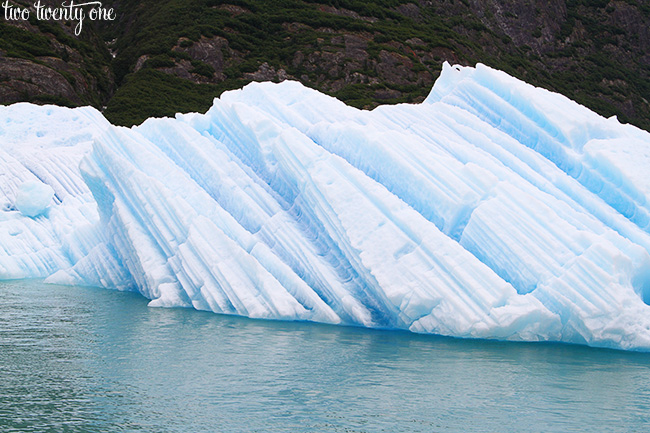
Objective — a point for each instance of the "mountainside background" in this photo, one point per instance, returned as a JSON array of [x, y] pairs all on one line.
[[160, 57]]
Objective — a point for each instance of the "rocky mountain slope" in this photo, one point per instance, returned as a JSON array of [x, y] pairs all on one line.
[[164, 56], [43, 62]]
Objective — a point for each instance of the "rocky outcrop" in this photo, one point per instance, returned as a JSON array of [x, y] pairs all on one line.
[[211, 51], [36, 66], [22, 79]]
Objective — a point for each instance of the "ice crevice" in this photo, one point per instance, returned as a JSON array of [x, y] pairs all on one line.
[[494, 209]]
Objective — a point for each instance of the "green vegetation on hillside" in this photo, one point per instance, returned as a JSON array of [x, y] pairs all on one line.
[[152, 93], [177, 55]]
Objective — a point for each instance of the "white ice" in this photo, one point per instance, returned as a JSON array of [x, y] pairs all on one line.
[[33, 198], [492, 210]]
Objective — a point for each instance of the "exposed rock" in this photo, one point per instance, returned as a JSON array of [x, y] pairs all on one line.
[[416, 42], [410, 10], [283, 76], [264, 73], [395, 68], [75, 78], [183, 69], [329, 62], [356, 47], [139, 64], [346, 13], [209, 51], [22, 79], [268, 73], [233, 9], [298, 58], [387, 94], [53, 71]]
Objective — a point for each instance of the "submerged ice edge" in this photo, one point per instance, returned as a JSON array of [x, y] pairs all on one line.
[[492, 210]]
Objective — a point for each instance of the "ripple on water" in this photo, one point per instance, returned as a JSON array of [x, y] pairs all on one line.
[[87, 360]]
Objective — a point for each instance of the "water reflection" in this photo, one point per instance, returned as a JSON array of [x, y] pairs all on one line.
[[79, 359]]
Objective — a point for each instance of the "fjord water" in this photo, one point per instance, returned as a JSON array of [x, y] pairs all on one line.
[[78, 359]]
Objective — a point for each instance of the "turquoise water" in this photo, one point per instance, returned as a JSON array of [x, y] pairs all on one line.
[[87, 360]]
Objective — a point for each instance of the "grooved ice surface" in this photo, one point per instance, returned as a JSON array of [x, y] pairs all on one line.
[[492, 210]]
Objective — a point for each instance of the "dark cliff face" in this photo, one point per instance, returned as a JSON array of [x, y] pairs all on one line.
[[596, 52], [44, 62], [176, 55]]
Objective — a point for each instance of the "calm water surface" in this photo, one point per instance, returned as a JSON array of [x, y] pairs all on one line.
[[87, 360]]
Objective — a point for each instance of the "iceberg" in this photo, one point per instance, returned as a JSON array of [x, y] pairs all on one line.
[[493, 209]]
